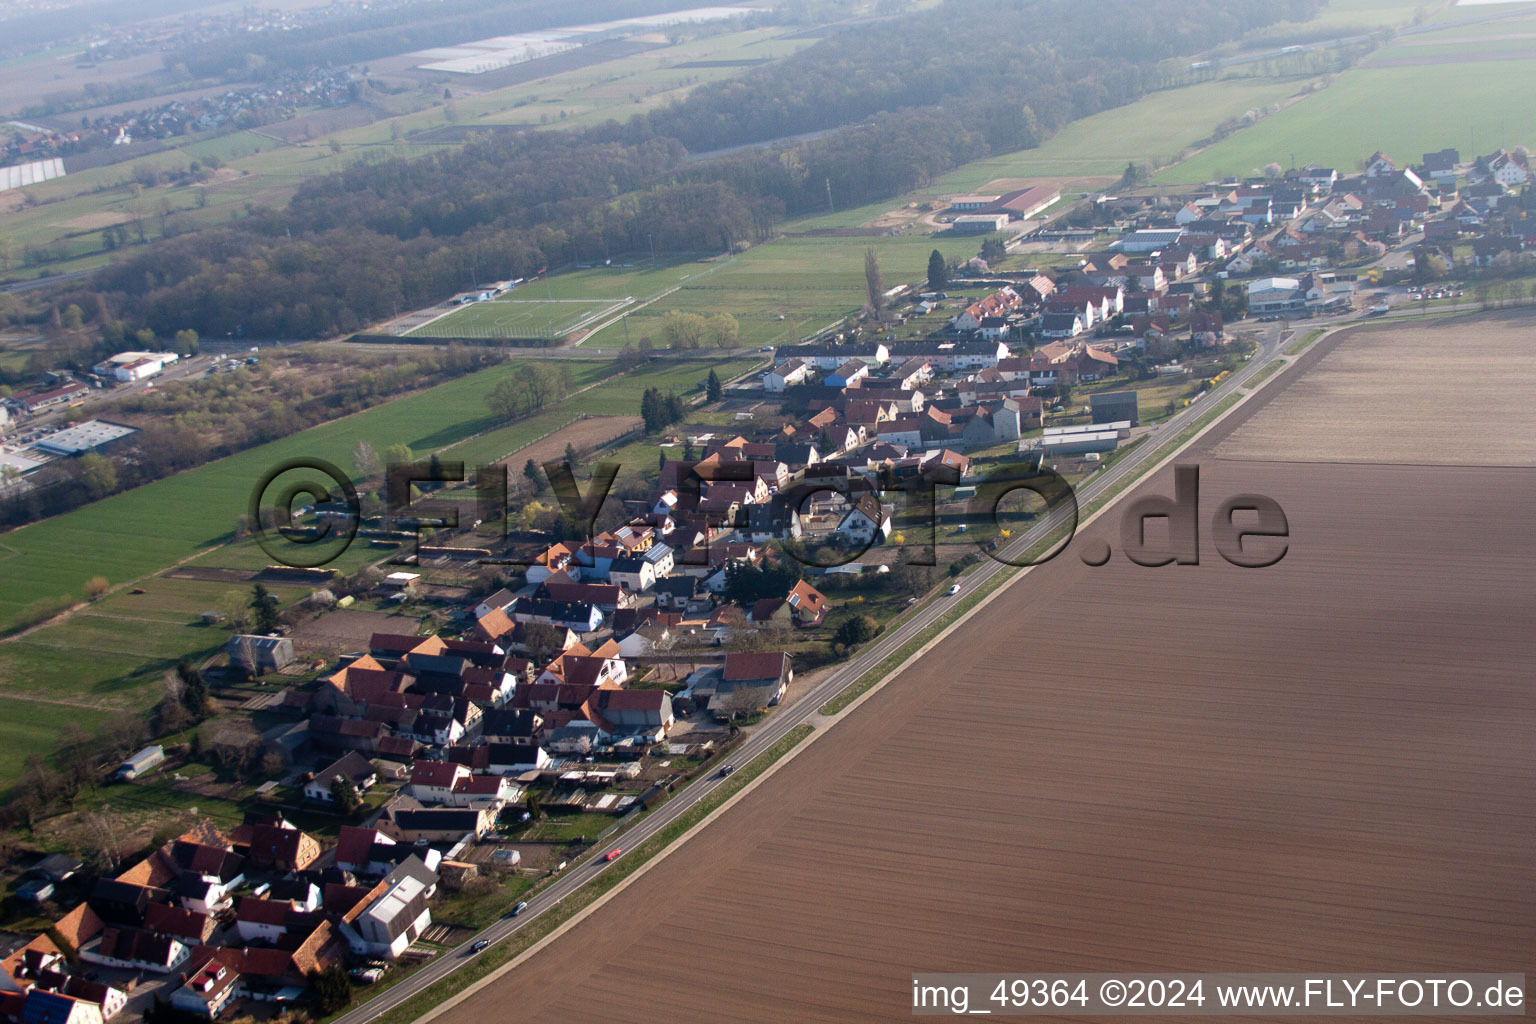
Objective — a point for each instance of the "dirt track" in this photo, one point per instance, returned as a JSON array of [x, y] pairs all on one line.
[[1325, 764]]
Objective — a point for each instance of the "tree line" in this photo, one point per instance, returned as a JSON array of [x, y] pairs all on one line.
[[902, 101]]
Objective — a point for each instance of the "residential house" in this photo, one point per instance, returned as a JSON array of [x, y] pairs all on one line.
[[867, 522], [803, 606], [750, 682], [634, 573], [277, 845], [353, 768], [831, 355], [432, 782], [578, 617], [395, 915], [848, 375], [635, 715], [211, 987], [136, 949], [785, 376], [1062, 325]]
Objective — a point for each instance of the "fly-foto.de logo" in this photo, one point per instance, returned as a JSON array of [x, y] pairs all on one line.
[[305, 513]]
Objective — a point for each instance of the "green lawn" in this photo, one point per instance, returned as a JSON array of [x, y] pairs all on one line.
[[1403, 111], [791, 287]]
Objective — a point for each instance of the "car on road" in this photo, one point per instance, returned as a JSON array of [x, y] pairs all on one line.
[[613, 854], [954, 590], [727, 770], [480, 946], [519, 909]]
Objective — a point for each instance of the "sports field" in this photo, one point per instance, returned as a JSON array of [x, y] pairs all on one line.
[[555, 305], [520, 318]]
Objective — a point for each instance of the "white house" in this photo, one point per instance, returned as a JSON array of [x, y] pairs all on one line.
[[1188, 213], [1509, 169], [209, 990], [1319, 179], [1379, 166], [433, 782], [394, 920], [136, 949], [353, 767], [786, 375], [866, 521], [634, 573], [44, 1007]]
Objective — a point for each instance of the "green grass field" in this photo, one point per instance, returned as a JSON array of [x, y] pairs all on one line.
[[109, 658], [1403, 111], [1156, 128], [788, 288]]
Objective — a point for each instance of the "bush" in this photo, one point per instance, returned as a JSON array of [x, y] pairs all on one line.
[[857, 630]]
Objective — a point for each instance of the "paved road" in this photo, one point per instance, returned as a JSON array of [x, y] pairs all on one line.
[[809, 704]]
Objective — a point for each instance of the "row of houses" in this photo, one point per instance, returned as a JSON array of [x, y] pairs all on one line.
[[224, 916]]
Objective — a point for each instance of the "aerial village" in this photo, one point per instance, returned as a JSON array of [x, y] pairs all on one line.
[[423, 742]]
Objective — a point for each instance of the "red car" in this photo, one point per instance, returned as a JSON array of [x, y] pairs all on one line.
[[613, 854]]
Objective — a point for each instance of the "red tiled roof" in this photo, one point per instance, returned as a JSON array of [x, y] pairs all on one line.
[[767, 665]]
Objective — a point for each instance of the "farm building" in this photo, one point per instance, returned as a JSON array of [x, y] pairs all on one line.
[[980, 223], [970, 204], [258, 654], [1115, 407], [141, 762]]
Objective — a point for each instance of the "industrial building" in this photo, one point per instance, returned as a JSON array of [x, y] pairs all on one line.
[[83, 437], [1121, 427], [980, 223], [1080, 443], [128, 367], [1149, 240]]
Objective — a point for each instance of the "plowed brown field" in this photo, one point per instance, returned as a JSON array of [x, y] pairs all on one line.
[[1327, 764]]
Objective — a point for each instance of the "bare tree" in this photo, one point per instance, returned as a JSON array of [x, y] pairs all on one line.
[[873, 282], [104, 838]]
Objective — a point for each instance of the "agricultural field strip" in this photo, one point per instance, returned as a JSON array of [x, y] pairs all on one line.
[[809, 704]]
